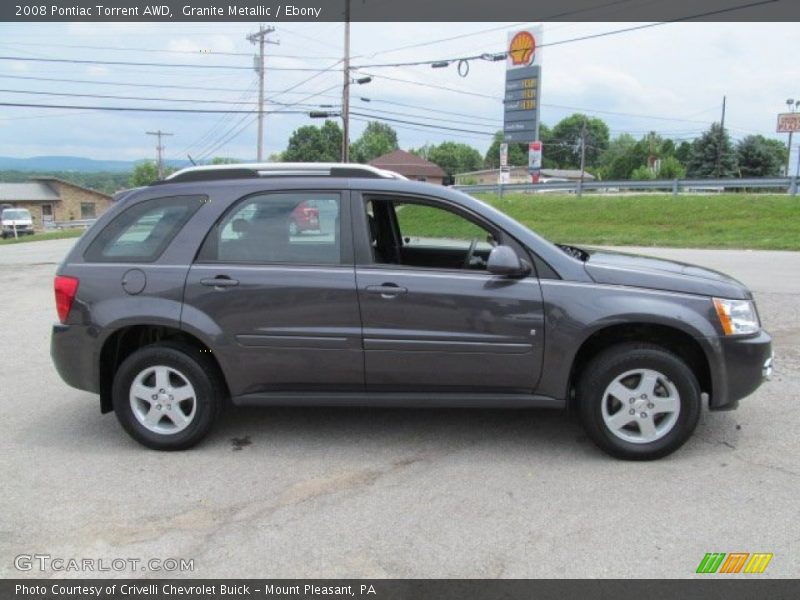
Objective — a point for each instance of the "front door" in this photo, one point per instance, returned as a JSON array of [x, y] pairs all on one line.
[[434, 319], [275, 280]]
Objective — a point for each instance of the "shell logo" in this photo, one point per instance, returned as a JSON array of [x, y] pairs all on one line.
[[521, 48]]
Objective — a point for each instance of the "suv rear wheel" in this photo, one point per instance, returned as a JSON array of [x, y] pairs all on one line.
[[638, 401], [166, 396]]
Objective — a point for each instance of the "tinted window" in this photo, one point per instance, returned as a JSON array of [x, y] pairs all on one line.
[[142, 232], [298, 228]]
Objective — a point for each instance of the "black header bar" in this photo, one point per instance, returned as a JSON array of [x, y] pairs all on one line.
[[270, 11]]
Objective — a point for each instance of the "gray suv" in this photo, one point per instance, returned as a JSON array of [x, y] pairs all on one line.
[[197, 291]]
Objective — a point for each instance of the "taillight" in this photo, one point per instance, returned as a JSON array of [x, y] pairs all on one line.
[[66, 288]]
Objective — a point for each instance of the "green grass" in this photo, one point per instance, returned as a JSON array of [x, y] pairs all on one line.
[[39, 237], [757, 221]]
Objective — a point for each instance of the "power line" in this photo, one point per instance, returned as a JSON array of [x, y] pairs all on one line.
[[143, 109], [494, 55], [423, 129], [113, 97], [433, 110], [552, 17], [428, 125], [164, 51], [125, 63], [140, 85], [219, 123], [434, 86]]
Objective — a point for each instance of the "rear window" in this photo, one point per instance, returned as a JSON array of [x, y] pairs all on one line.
[[142, 232]]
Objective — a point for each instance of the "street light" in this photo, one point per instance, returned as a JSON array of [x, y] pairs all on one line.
[[345, 114]]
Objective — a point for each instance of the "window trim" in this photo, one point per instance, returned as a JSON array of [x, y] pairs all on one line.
[[345, 235], [92, 255], [365, 259]]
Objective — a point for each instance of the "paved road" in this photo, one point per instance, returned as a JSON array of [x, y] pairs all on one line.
[[386, 493]]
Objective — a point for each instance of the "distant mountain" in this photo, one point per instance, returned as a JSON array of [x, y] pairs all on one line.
[[72, 163]]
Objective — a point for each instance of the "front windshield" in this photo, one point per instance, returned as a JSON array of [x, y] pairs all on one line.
[[16, 215]]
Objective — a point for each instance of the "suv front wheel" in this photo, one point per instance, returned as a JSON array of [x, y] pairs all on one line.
[[638, 401], [166, 396]]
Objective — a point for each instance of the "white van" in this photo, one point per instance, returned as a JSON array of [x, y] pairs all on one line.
[[18, 219]]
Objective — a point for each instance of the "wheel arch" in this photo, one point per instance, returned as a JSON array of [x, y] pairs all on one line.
[[125, 340], [675, 340]]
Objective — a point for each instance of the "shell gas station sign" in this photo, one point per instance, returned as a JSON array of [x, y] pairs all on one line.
[[523, 86]]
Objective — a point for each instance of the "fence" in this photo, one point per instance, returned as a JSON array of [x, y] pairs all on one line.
[[80, 223], [675, 186]]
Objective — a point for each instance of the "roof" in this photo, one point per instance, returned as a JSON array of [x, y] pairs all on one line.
[[407, 164], [45, 178], [33, 191]]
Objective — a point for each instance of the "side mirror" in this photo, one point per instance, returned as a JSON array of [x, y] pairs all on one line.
[[504, 261]]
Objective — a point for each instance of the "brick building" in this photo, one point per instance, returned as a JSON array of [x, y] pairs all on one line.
[[411, 166], [52, 200]]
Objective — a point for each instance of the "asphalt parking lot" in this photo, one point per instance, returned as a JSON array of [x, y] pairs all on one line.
[[391, 493]]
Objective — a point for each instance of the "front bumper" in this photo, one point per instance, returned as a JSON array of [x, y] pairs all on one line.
[[745, 363]]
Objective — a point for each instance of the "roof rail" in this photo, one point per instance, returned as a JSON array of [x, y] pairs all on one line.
[[254, 170]]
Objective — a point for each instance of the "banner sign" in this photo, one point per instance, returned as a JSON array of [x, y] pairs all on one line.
[[521, 102], [788, 122]]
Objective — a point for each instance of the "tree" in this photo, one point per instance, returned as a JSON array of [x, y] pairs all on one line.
[[565, 145], [684, 153], [620, 158], [145, 173], [315, 144], [670, 168], [455, 158], [713, 155], [760, 157], [223, 160], [376, 140], [643, 173], [423, 151]]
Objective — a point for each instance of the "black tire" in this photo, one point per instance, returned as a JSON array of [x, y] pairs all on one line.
[[603, 369], [200, 372]]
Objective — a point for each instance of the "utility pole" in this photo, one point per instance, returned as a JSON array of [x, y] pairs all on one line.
[[260, 38], [718, 170], [159, 150], [583, 157], [346, 86]]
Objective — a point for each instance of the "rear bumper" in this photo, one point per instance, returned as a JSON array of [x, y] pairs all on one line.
[[746, 362], [72, 357]]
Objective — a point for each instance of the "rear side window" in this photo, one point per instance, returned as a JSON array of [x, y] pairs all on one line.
[[142, 232], [294, 228]]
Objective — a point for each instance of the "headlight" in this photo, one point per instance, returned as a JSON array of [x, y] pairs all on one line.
[[737, 316]]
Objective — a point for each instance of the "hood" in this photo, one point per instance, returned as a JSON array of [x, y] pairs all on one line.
[[617, 268]]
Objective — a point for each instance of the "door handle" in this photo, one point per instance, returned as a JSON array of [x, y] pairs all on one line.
[[387, 290], [219, 282]]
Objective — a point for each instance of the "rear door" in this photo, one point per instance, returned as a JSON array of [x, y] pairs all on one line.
[[434, 319], [281, 299]]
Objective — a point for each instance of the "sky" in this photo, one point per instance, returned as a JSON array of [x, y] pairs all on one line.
[[670, 78]]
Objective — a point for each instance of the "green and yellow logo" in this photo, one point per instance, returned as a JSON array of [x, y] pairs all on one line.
[[735, 562]]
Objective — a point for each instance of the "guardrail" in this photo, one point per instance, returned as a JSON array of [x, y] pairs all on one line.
[[675, 186], [80, 223]]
